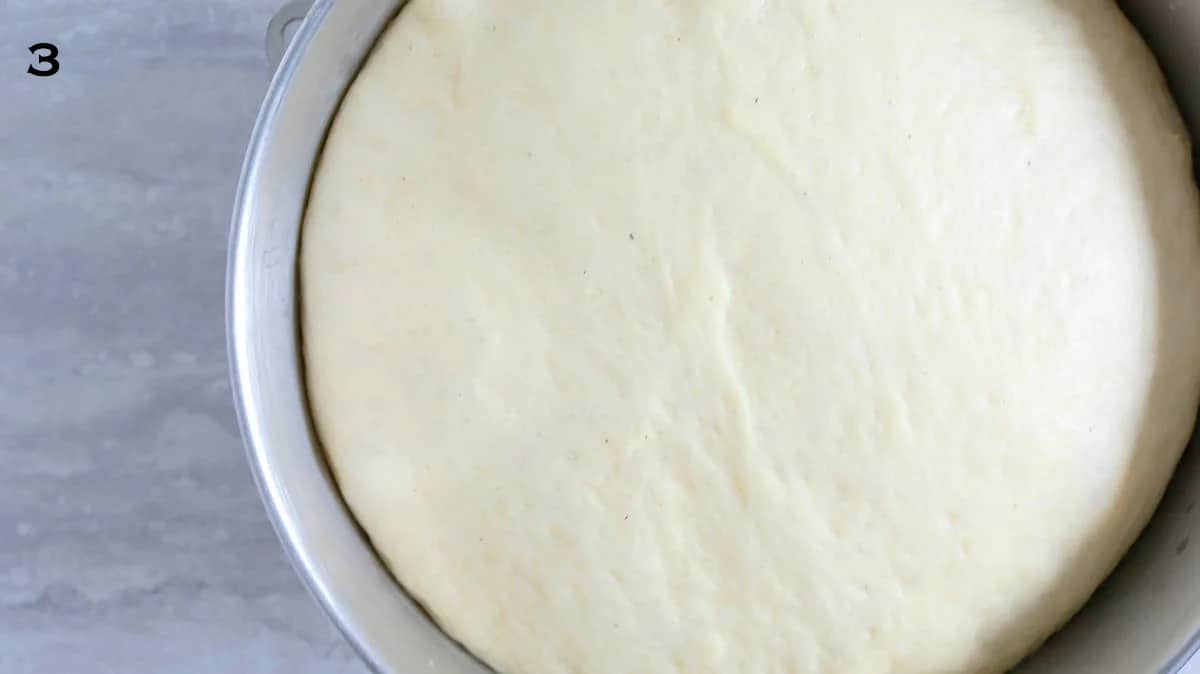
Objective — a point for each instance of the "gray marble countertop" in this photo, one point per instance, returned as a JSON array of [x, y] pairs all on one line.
[[132, 540], [131, 536]]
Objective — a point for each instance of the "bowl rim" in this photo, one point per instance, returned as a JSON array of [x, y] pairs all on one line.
[[320, 537], [352, 616], [282, 516]]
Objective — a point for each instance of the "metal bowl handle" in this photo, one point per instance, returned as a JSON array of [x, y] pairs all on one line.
[[282, 27]]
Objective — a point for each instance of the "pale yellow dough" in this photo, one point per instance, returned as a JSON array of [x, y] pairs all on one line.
[[754, 336]]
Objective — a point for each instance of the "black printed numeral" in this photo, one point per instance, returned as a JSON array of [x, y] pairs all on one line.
[[47, 60]]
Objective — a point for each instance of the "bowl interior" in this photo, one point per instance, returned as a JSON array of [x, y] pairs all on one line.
[[1144, 619]]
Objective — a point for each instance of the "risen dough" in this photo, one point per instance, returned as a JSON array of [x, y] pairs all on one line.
[[762, 336]]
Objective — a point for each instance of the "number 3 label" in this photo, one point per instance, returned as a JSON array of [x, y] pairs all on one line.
[[47, 60]]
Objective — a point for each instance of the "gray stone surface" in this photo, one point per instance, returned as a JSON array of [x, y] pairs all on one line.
[[131, 537]]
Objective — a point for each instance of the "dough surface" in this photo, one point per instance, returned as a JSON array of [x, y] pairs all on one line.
[[758, 336]]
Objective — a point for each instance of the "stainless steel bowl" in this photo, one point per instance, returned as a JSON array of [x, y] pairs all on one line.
[[1145, 619]]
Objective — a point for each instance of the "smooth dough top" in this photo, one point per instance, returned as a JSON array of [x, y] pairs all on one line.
[[758, 336]]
